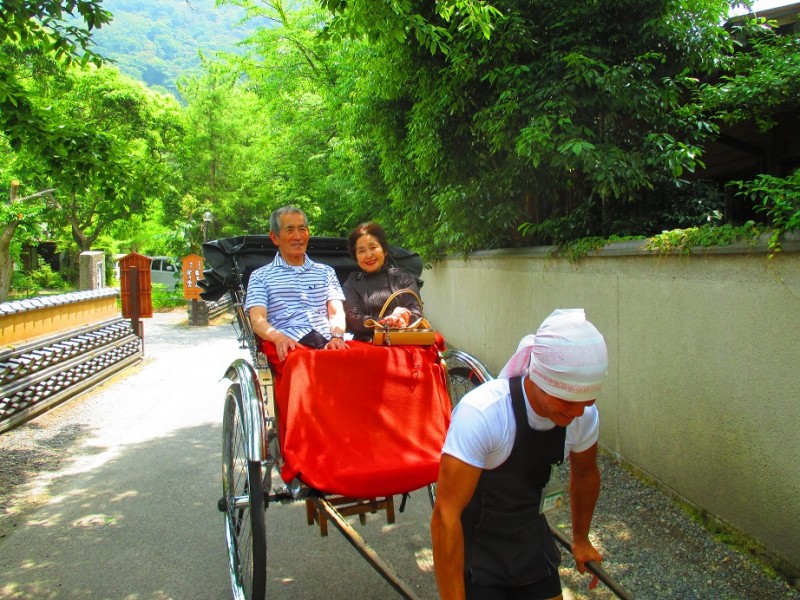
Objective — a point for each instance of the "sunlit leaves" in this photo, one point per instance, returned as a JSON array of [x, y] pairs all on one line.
[[762, 79], [46, 23], [100, 141]]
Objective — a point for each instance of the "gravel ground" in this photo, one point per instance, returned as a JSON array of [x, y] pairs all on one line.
[[655, 550], [651, 546]]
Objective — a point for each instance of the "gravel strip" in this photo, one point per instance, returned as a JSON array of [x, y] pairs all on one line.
[[655, 550]]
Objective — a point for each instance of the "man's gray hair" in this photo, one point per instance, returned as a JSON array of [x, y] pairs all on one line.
[[275, 217]]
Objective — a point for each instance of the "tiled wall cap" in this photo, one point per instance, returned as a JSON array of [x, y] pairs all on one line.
[[16, 306]]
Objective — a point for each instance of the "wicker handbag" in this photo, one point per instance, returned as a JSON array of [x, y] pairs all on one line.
[[418, 333]]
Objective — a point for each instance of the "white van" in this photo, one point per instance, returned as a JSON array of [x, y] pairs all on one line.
[[163, 270]]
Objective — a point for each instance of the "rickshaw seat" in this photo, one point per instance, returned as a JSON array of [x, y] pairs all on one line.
[[363, 422]]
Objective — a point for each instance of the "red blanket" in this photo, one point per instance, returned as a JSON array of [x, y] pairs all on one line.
[[363, 422]]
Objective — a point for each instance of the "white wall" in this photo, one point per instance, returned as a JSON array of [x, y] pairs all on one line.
[[704, 386]]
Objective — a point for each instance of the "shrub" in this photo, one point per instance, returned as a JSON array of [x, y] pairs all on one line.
[[164, 298]]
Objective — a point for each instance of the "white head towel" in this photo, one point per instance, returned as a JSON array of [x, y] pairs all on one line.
[[567, 358]]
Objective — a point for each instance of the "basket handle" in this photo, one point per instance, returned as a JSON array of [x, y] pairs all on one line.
[[395, 295]]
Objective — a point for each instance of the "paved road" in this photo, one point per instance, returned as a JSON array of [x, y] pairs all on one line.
[[125, 505]]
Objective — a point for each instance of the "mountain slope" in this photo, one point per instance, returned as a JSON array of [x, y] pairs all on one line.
[[158, 40]]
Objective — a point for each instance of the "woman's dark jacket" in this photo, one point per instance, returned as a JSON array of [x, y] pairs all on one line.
[[365, 294]]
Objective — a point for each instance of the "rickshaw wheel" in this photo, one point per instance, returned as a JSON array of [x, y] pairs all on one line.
[[243, 495], [460, 380]]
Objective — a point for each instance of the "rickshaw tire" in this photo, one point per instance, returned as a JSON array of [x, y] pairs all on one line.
[[461, 380], [259, 527], [245, 523]]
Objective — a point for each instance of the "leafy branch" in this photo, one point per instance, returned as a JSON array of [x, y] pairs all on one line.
[[779, 199]]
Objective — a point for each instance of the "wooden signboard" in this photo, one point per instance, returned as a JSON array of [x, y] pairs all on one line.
[[142, 303], [192, 273]]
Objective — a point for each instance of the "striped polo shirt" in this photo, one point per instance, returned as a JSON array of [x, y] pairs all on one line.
[[296, 298]]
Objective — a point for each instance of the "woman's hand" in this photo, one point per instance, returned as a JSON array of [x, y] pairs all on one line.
[[399, 318], [336, 343]]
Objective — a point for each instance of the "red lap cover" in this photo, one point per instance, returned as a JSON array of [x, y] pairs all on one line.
[[363, 422]]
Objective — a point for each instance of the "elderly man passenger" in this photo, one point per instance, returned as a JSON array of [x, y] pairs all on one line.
[[293, 300]]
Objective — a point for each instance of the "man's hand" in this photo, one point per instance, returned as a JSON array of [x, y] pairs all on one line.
[[584, 551], [263, 329], [584, 488], [283, 344]]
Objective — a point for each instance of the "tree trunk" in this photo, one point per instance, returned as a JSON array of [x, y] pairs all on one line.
[[6, 264]]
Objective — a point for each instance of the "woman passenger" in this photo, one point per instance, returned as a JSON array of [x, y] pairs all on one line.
[[367, 290]]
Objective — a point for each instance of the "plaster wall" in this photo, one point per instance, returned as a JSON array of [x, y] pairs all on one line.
[[25, 320], [704, 353]]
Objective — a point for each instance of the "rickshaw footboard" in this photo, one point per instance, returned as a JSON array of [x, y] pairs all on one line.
[[323, 505], [347, 507]]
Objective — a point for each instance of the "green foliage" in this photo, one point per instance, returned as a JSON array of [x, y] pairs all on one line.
[[458, 125], [760, 80], [287, 145], [226, 157], [109, 152], [580, 109], [159, 42], [580, 248], [163, 298], [147, 234], [684, 240], [35, 283], [430, 26], [779, 199], [45, 277], [667, 242], [47, 23], [25, 215], [37, 39]]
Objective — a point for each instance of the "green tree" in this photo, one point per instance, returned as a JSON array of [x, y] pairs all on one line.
[[760, 84], [758, 81], [133, 166], [48, 21], [49, 33], [299, 155], [113, 151], [18, 213], [222, 155], [36, 38], [550, 110]]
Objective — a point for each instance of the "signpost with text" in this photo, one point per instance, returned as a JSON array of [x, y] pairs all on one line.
[[192, 273]]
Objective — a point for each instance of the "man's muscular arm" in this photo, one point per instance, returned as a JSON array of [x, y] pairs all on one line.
[[584, 490], [454, 489]]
